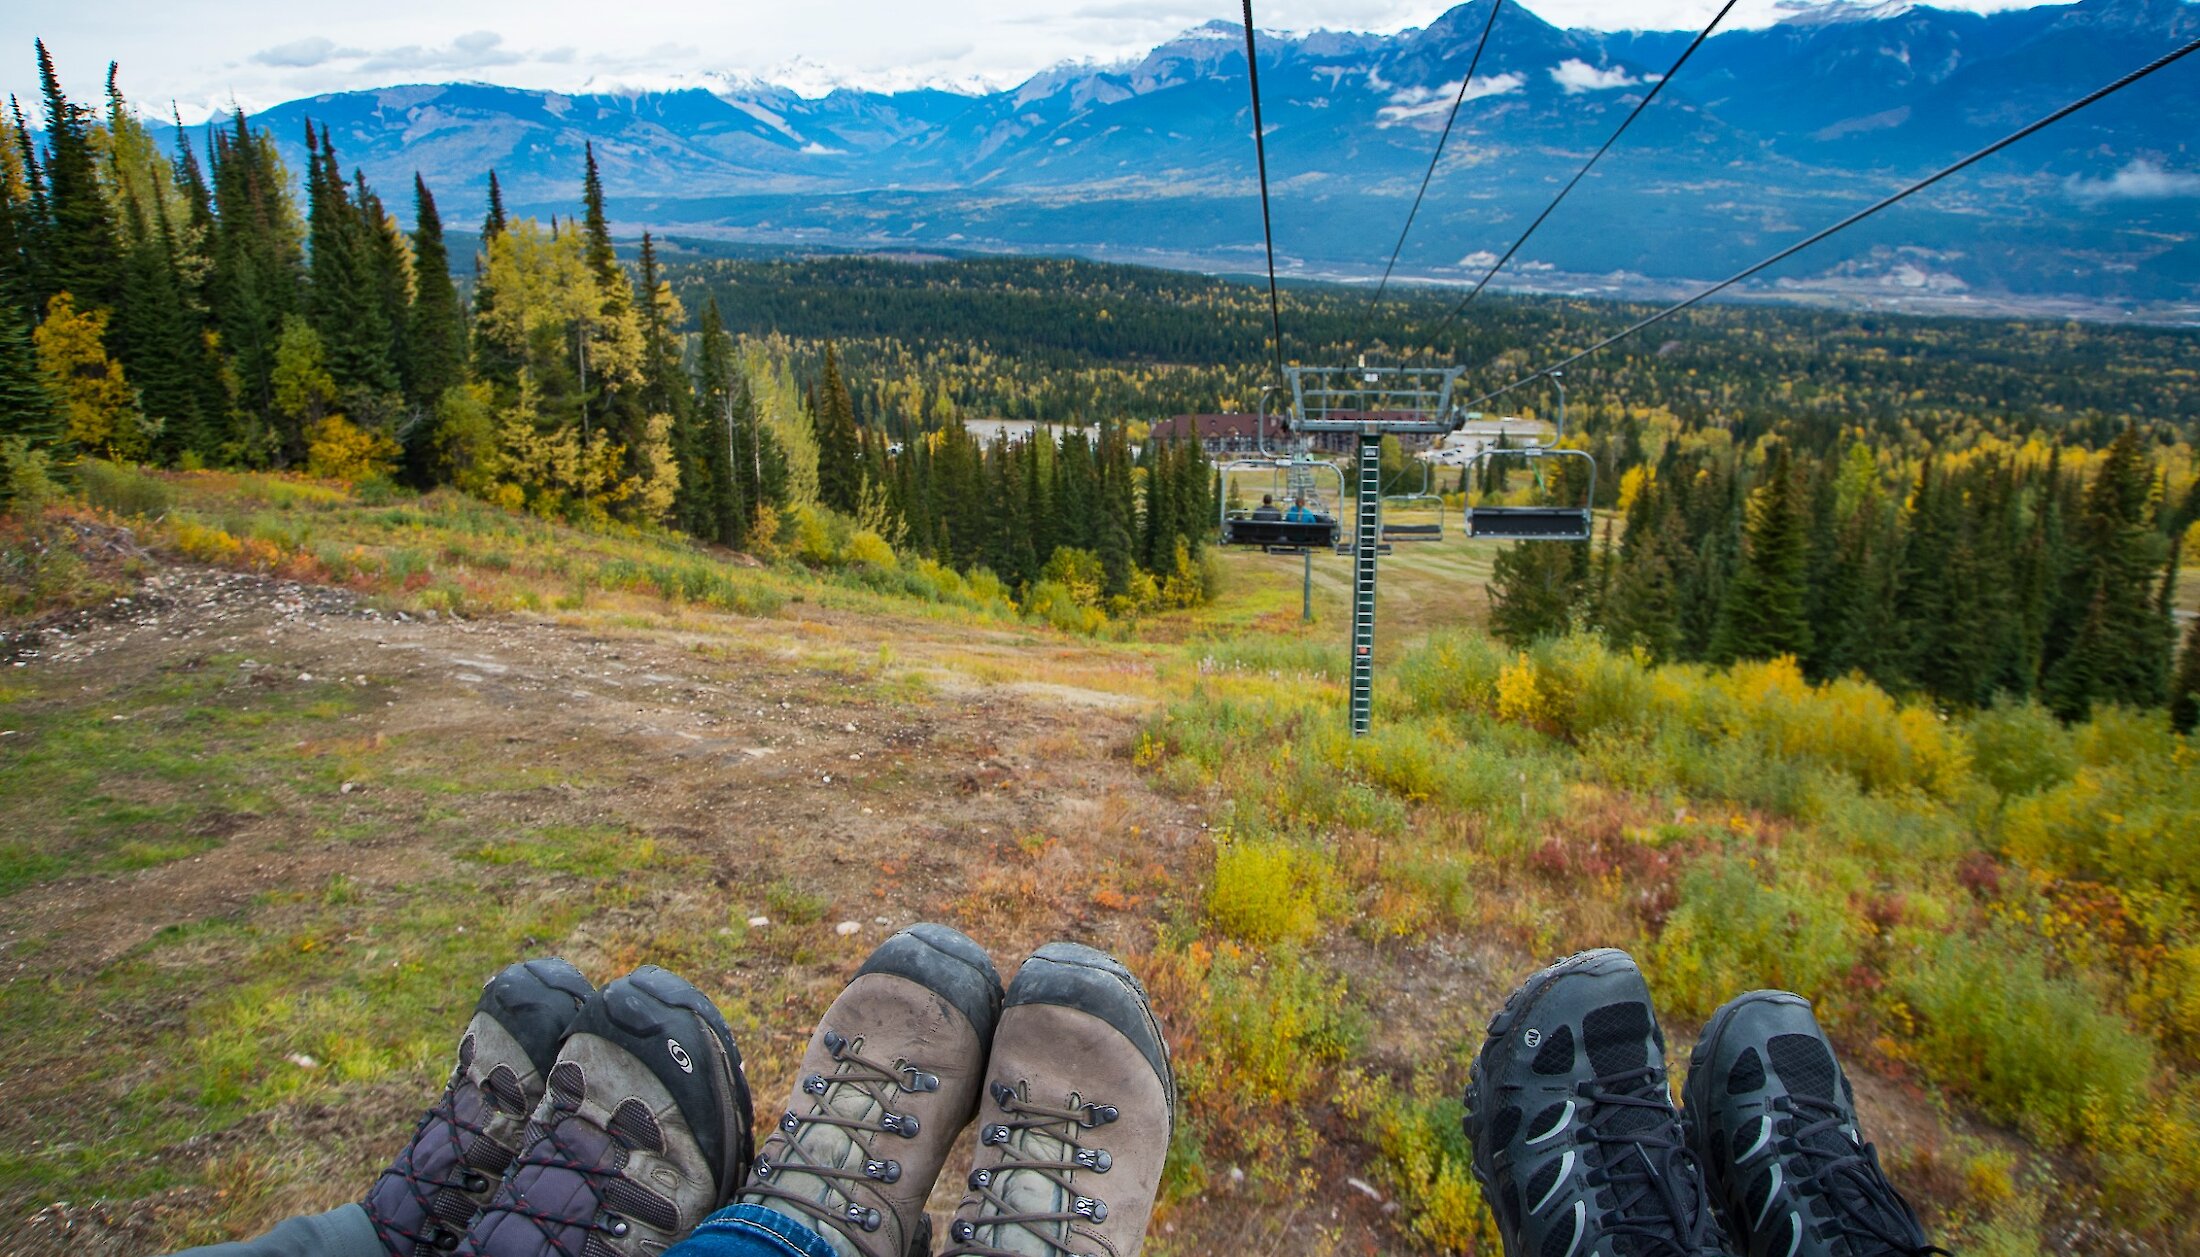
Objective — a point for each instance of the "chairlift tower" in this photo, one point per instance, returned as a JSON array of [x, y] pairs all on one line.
[[1369, 403]]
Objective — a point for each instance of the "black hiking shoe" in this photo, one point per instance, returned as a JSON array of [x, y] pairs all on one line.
[[458, 1152], [889, 1081], [1576, 1143], [642, 1132], [1772, 1119], [1078, 1115]]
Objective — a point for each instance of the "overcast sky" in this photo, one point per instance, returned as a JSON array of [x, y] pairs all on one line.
[[261, 52]]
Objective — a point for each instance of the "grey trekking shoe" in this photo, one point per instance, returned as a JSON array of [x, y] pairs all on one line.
[[890, 1079], [1077, 1118], [1576, 1143], [642, 1132], [458, 1152], [1773, 1121]]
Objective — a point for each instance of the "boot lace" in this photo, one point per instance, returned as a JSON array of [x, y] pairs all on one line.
[[475, 1158], [1658, 1192], [877, 1081], [1867, 1211], [548, 1148], [1012, 1135]]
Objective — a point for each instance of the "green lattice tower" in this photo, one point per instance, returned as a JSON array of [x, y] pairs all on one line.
[[1299, 481], [1367, 532]]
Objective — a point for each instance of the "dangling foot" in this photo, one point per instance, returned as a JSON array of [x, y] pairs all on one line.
[[1077, 1118], [1772, 1119], [430, 1194], [643, 1130], [890, 1079], [1576, 1143]]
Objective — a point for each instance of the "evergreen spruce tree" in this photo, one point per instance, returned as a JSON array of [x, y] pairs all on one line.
[[1765, 612], [839, 470], [80, 243], [435, 325], [346, 290], [2184, 691], [1535, 590], [2120, 651], [26, 402], [258, 275]]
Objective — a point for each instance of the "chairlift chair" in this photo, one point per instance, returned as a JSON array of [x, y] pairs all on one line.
[[1278, 535], [1535, 523]]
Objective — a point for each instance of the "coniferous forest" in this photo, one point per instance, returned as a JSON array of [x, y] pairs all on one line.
[[1964, 509]]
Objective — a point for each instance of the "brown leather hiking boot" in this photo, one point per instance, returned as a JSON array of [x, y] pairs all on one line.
[[889, 1081], [428, 1197], [1079, 1111], [643, 1130]]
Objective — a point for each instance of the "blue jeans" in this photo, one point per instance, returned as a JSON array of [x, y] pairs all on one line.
[[734, 1231], [751, 1231]]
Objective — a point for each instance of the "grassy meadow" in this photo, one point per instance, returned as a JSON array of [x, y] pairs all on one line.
[[217, 872]]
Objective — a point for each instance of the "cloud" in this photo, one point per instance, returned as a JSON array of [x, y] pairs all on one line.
[[2142, 180], [302, 53], [1409, 103], [1578, 76]]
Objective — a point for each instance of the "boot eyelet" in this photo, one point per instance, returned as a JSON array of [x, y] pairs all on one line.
[[963, 1231], [980, 1179], [788, 1123], [902, 1124], [1088, 1207], [888, 1171], [1095, 1159], [814, 1085], [995, 1135], [617, 1226]]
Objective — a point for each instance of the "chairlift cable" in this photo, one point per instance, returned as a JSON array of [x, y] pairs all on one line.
[[2089, 98], [1625, 123], [1260, 153], [1435, 157]]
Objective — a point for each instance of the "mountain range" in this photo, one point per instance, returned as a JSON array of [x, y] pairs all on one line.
[[1763, 136]]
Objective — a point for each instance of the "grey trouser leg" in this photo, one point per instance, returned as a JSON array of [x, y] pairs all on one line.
[[341, 1232]]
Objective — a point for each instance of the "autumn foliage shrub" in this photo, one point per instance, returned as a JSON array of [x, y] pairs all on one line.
[[1735, 931]]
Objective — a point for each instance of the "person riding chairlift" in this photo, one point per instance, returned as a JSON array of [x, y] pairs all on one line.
[[1299, 514], [1266, 512]]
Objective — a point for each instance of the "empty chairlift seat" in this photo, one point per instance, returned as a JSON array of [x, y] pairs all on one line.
[[1529, 523]]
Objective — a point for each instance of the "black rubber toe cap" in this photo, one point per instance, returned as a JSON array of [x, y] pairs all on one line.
[[948, 962], [536, 1001]]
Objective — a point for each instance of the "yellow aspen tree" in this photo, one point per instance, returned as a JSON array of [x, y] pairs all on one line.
[[97, 403]]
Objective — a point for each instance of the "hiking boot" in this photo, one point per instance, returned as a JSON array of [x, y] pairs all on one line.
[[1576, 1143], [1078, 1114], [430, 1194], [1772, 1120], [643, 1130], [889, 1080]]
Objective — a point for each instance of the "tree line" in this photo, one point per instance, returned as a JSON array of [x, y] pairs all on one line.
[[182, 309], [2034, 572]]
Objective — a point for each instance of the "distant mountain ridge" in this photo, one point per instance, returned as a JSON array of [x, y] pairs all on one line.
[[1766, 133]]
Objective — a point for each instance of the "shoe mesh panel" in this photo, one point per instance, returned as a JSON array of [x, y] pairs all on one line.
[[503, 1090], [1560, 1241], [1539, 1185], [1747, 1075], [1557, 1053], [1618, 1037], [1760, 1189], [1805, 1066], [1746, 1136], [1544, 1119], [1504, 1126], [567, 1085], [626, 1197], [636, 1127]]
